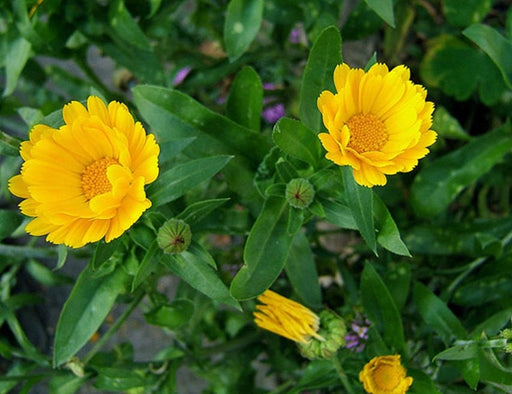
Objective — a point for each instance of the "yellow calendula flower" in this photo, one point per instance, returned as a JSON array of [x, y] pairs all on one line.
[[378, 122], [385, 375], [287, 318], [85, 180]]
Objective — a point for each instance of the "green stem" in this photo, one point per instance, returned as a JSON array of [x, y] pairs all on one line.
[[342, 375], [112, 330]]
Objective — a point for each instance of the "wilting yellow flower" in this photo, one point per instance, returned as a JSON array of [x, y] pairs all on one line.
[[287, 318], [378, 122], [85, 180], [385, 375]]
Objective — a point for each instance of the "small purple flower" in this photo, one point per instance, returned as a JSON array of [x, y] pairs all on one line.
[[181, 74], [358, 334], [273, 113], [297, 35]]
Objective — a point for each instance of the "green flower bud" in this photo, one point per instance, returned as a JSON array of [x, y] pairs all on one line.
[[174, 236], [506, 333], [76, 366], [333, 330], [299, 193]]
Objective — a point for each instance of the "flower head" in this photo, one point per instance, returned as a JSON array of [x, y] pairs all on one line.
[[378, 122], [385, 375], [85, 180], [287, 318]]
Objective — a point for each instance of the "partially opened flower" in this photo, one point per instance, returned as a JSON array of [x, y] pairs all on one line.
[[378, 122], [85, 180], [317, 336], [285, 317], [385, 375]]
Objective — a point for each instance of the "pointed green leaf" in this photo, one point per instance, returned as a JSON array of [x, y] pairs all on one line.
[[296, 140], [442, 179], [243, 21], [18, 52], [265, 252], [199, 274], [245, 100], [437, 315], [323, 58], [301, 271], [384, 9], [360, 202], [495, 45], [9, 221], [194, 212], [381, 309], [90, 301], [125, 26], [178, 180], [388, 236]]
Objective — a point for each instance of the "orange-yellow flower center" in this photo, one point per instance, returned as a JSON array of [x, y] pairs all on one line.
[[94, 177], [367, 133], [386, 377]]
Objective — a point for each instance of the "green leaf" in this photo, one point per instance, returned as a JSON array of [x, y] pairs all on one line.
[[447, 126], [388, 236], [296, 140], [18, 52], [495, 45], [460, 70], [172, 114], [107, 251], [266, 250], [46, 276], [171, 315], [462, 15], [463, 238], [9, 145], [119, 378], [381, 309], [88, 304], [9, 221], [148, 265], [323, 58], [437, 315], [180, 179], [493, 324], [171, 148], [493, 372], [398, 280], [301, 271], [360, 202], [423, 383], [245, 100], [199, 274], [66, 383], [339, 214], [442, 179], [458, 352], [243, 21], [125, 26], [317, 374], [194, 212], [384, 9]]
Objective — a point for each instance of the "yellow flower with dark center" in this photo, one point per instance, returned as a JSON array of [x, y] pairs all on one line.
[[287, 318], [378, 122], [385, 375], [85, 180]]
